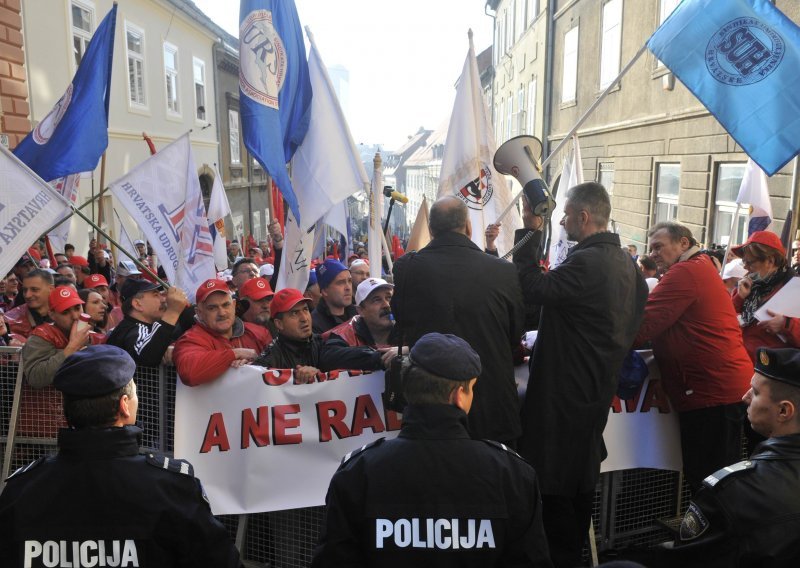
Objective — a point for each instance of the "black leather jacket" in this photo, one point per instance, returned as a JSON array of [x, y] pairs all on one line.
[[285, 353]]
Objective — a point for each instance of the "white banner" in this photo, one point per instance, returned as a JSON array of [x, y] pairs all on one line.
[[298, 249], [258, 442]]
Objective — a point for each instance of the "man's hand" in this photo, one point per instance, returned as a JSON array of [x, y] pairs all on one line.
[[389, 353], [243, 356], [99, 256], [305, 374], [275, 235], [176, 300], [167, 358], [78, 338], [529, 220], [776, 324], [491, 234], [744, 287]]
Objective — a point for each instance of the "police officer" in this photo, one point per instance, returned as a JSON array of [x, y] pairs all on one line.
[[748, 514], [433, 496], [98, 502]]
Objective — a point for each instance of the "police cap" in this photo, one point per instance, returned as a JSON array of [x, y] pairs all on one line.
[[779, 364], [94, 371], [446, 356]]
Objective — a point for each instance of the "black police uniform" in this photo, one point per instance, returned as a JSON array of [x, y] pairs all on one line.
[[98, 502], [433, 497]]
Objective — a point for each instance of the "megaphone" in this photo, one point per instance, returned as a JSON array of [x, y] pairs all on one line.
[[519, 157]]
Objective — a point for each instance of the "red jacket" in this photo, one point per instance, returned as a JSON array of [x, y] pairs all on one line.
[[201, 355], [755, 336], [20, 322], [696, 337]]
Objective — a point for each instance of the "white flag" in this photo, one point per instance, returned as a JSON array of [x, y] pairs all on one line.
[[296, 261], [420, 234], [163, 196], [571, 175], [375, 229], [218, 209], [326, 168], [336, 218], [754, 191], [67, 186], [468, 161], [28, 205], [124, 238]]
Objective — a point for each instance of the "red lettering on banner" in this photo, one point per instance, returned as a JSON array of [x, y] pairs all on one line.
[[616, 405], [216, 435], [257, 429], [276, 377], [281, 423], [330, 416], [394, 420], [655, 397], [366, 415], [329, 376]]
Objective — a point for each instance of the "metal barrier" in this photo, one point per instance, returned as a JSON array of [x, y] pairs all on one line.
[[626, 505]]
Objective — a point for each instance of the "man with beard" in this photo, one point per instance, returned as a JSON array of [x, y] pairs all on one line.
[[254, 298], [336, 305], [374, 323], [219, 340]]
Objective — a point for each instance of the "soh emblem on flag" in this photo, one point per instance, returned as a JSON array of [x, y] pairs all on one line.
[[275, 87], [740, 59]]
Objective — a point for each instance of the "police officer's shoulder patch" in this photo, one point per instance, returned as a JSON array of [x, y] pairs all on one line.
[[170, 464], [361, 450], [734, 469], [503, 447], [27, 468], [694, 523]]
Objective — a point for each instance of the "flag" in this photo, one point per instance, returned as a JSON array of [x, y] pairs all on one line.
[[74, 134], [218, 209], [274, 86], [163, 196], [297, 254], [740, 58], [327, 168], [467, 164], [420, 235], [375, 230], [27, 205], [571, 175], [754, 191], [124, 238], [67, 187]]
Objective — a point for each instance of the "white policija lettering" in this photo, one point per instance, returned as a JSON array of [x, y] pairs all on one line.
[[435, 533], [86, 554]]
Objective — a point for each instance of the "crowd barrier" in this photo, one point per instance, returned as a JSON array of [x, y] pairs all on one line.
[[627, 503]]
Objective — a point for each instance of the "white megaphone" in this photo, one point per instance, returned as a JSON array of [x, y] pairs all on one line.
[[519, 157]]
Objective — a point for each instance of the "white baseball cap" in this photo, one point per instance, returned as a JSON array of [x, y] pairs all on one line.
[[734, 269], [266, 269], [127, 268], [368, 286]]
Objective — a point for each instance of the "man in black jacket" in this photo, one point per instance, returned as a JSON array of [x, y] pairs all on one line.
[[452, 286], [592, 306], [336, 304]]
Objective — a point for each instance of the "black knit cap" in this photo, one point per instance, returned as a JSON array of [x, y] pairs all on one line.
[[94, 371], [779, 364], [446, 356]]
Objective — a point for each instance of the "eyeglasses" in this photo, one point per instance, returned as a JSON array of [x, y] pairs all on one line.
[[750, 261], [248, 271]]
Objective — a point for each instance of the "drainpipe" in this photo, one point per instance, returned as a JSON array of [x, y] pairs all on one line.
[[548, 75]]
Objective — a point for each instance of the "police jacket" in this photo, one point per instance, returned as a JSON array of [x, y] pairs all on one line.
[[747, 514], [433, 497], [98, 502], [285, 353]]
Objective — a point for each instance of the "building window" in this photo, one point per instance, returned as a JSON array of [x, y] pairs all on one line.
[[532, 106], [135, 48], [611, 42], [533, 10], [520, 19], [233, 133], [509, 116], [666, 9], [171, 77], [668, 183], [519, 123], [507, 29], [82, 29], [498, 42], [605, 176], [199, 89], [729, 180], [569, 78]]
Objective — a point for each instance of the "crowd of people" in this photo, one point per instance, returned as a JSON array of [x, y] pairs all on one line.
[[458, 313]]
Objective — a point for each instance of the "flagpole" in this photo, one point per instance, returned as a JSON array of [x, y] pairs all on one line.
[[578, 124], [68, 217]]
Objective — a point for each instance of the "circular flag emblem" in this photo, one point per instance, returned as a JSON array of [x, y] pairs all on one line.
[[477, 193], [262, 58], [744, 51], [44, 130]]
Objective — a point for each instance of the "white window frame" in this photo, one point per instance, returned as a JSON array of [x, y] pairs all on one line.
[[233, 136], [80, 34], [519, 25], [532, 86], [509, 115], [519, 122], [199, 63], [665, 9], [724, 208], [132, 59], [667, 199], [569, 71], [611, 43], [605, 176], [533, 11], [174, 75]]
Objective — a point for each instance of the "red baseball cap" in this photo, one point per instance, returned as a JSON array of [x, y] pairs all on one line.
[[95, 280], [64, 297], [256, 289], [209, 287], [285, 300], [765, 238], [78, 260]]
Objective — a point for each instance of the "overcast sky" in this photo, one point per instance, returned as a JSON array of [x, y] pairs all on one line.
[[404, 57]]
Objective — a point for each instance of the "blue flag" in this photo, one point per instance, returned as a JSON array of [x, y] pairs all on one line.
[[74, 135], [741, 58], [275, 88]]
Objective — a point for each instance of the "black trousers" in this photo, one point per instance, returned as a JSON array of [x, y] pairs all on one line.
[[711, 438], [566, 523]]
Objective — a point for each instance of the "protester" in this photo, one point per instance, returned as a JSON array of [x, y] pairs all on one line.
[[66, 271], [592, 305], [374, 323], [450, 484], [312, 290], [732, 273], [126, 268], [698, 346], [150, 322], [796, 256], [96, 309], [99, 494], [234, 253], [359, 271], [219, 340], [80, 266], [243, 270], [765, 258], [748, 514], [253, 300], [10, 291], [647, 266], [36, 287], [336, 289]]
